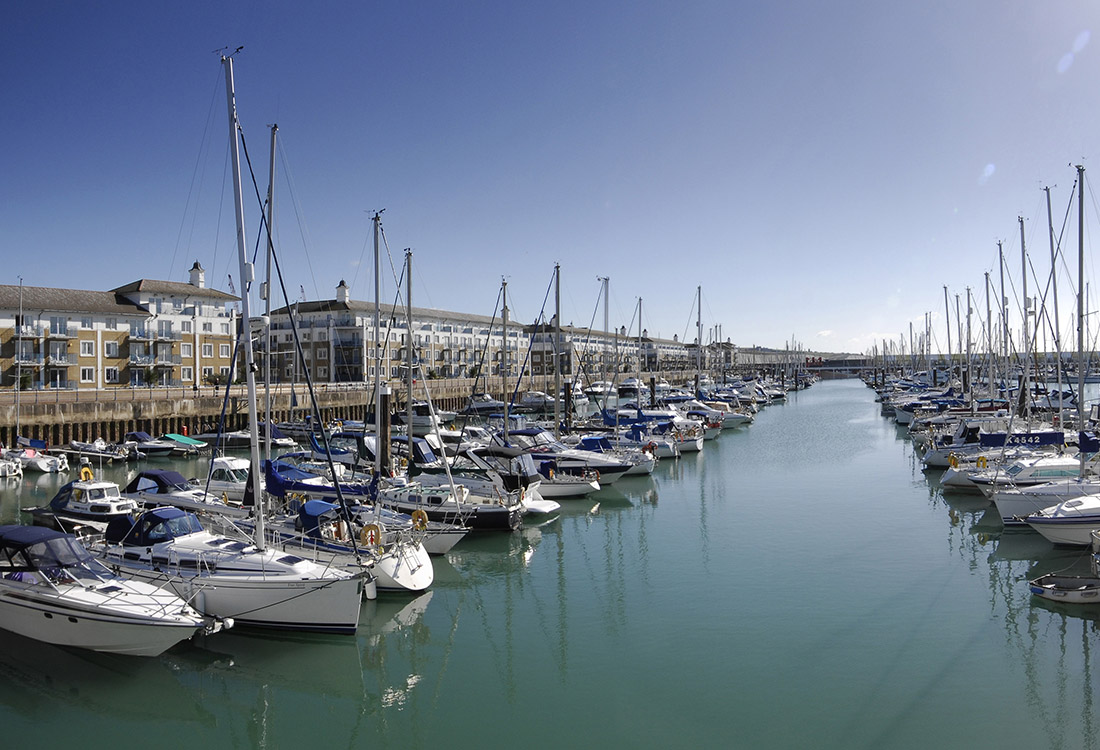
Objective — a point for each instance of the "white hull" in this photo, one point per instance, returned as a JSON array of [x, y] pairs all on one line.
[[55, 619], [328, 605], [1073, 533], [1013, 506]]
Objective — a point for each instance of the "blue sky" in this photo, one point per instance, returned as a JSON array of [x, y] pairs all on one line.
[[822, 170]]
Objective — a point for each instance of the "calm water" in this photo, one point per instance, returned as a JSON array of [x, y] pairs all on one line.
[[799, 583]]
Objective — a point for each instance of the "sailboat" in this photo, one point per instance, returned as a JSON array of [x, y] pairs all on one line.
[[233, 577]]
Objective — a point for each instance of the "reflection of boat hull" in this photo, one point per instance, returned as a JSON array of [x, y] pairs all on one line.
[[1069, 589]]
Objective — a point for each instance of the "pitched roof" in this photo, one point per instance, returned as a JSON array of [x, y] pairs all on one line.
[[179, 288], [67, 300]]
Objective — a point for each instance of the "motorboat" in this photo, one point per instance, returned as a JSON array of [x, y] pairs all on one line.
[[483, 403], [32, 456], [53, 590], [542, 446], [10, 466], [1014, 504], [1027, 472], [147, 444], [230, 576], [184, 445], [228, 478], [1069, 523], [243, 438], [100, 451], [537, 401], [86, 503]]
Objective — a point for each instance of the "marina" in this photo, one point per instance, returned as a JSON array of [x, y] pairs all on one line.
[[801, 582]]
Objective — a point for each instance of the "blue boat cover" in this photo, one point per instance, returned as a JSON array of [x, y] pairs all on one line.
[[312, 513]]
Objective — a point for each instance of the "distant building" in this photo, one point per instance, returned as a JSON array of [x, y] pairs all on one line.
[[144, 333]]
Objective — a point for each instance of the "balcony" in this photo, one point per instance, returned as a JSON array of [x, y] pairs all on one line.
[[141, 360], [59, 333], [347, 342], [29, 359], [169, 336], [28, 332], [166, 360], [59, 360], [141, 334]]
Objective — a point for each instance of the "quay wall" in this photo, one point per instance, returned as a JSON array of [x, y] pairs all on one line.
[[58, 416]]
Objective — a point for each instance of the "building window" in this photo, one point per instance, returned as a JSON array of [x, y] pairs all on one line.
[[223, 351], [87, 348], [208, 350], [208, 328], [111, 324], [110, 374], [87, 374], [110, 349], [322, 354], [86, 323], [185, 326], [186, 350], [225, 328], [186, 374], [225, 371], [322, 372], [207, 372]]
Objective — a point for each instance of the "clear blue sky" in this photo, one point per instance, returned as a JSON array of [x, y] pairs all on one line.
[[821, 169]]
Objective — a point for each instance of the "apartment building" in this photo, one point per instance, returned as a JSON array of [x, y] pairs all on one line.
[[144, 333]]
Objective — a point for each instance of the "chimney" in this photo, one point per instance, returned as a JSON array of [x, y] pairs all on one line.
[[342, 294], [198, 276]]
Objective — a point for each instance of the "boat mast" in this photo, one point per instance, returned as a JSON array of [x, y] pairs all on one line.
[[267, 297], [989, 337], [504, 352], [698, 337], [409, 347], [1025, 397], [19, 359], [639, 378], [950, 357], [247, 274], [1057, 323], [1081, 308], [557, 351], [376, 220]]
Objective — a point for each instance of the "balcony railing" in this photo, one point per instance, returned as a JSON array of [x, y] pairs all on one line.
[[167, 360], [141, 360], [28, 332], [141, 335], [169, 335], [59, 333], [29, 360], [59, 360]]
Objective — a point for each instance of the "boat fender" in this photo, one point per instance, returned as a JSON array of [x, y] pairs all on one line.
[[953, 461], [420, 519], [86, 474], [651, 447], [225, 498], [371, 535], [983, 462]]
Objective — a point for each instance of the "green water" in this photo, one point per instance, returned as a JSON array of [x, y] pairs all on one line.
[[799, 583]]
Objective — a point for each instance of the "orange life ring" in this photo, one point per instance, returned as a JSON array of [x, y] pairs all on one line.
[[420, 519]]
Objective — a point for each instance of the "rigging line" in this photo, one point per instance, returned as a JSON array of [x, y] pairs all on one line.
[[531, 343], [341, 500], [481, 359], [191, 188], [588, 339], [303, 229]]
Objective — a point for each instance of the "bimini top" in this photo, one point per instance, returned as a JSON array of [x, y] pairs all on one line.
[[152, 527], [162, 481], [27, 548], [315, 512]]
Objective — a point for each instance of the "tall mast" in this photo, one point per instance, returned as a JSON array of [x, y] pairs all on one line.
[[267, 296], [376, 220], [1004, 304], [409, 347], [699, 329], [19, 358], [947, 311], [989, 337], [504, 352], [1054, 281], [1081, 305], [557, 350], [247, 274], [1026, 395]]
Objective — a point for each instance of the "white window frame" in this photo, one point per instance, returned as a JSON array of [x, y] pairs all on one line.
[[87, 374], [87, 348]]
